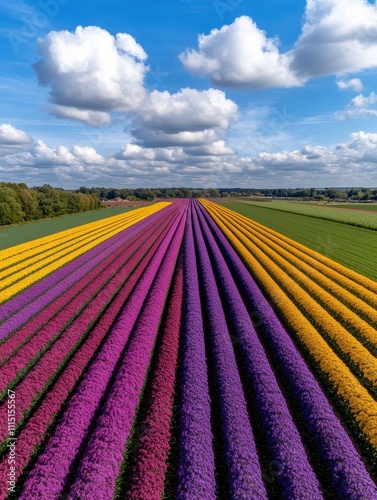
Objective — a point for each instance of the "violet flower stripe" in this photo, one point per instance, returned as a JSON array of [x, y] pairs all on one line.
[[103, 456], [32, 300], [295, 475], [53, 465], [244, 472], [36, 427], [348, 477], [47, 365], [150, 464], [196, 472], [64, 298]]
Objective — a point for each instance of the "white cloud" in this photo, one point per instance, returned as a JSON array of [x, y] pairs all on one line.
[[93, 118], [353, 162], [188, 117], [11, 136], [360, 106], [354, 84], [87, 155], [187, 110], [241, 55], [91, 73], [338, 37], [13, 140]]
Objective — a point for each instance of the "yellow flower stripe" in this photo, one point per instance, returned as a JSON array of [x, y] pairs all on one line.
[[301, 272], [40, 264], [361, 404], [360, 285], [41, 252], [305, 263], [357, 353]]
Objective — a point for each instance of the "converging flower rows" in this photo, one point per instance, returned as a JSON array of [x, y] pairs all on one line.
[[184, 351]]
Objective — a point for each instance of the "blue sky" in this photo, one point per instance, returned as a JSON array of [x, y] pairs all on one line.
[[214, 93]]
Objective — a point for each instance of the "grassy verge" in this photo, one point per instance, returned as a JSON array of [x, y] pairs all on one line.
[[365, 219], [28, 231], [352, 246]]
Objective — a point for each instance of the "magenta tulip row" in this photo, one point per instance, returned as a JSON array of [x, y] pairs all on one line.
[[150, 463], [120, 353]]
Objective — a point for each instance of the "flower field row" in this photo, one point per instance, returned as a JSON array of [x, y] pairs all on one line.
[[184, 351], [21, 266]]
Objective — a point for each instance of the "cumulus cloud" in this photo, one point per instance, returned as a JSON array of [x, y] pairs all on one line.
[[241, 55], [13, 140], [337, 37], [95, 77], [91, 73], [354, 84], [360, 106], [188, 117], [11, 136], [353, 162]]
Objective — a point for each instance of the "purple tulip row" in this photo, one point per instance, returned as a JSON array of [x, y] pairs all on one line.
[[295, 476], [196, 472], [34, 430], [51, 472], [339, 460], [244, 472], [17, 311]]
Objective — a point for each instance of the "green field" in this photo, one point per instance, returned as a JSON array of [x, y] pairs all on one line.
[[21, 233], [354, 217], [372, 207], [352, 246]]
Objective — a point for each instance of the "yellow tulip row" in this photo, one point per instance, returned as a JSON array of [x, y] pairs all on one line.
[[291, 300], [51, 250], [303, 274], [356, 283], [33, 261]]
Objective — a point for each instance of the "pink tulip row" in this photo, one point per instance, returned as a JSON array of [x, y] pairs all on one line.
[[53, 465], [150, 464], [36, 427]]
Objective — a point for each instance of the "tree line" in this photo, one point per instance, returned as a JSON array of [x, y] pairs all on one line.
[[19, 203], [149, 194]]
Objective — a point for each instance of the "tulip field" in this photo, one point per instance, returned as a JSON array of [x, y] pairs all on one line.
[[182, 350]]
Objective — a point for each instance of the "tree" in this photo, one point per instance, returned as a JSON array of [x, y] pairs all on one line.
[[10, 207]]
